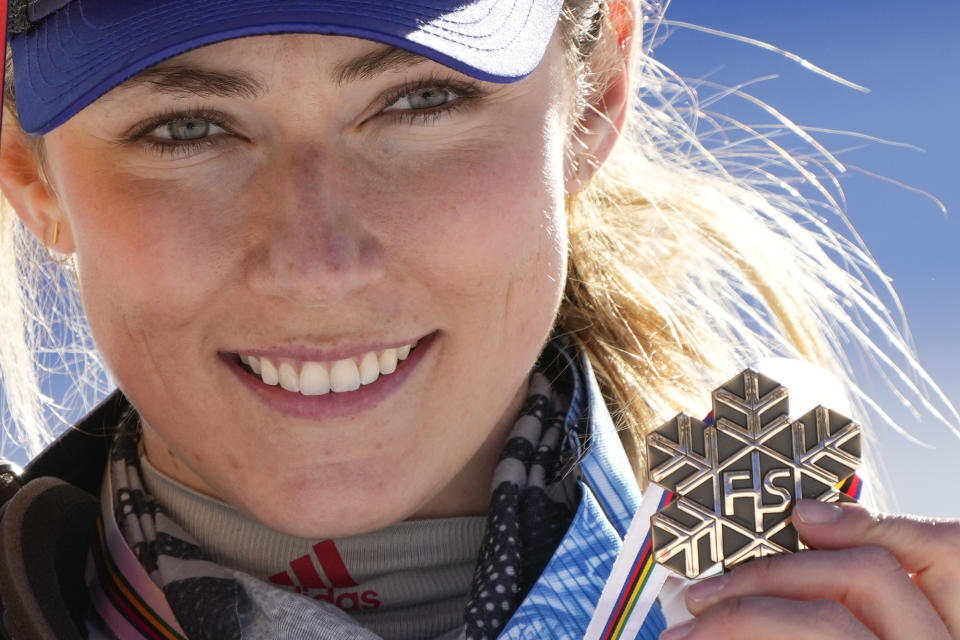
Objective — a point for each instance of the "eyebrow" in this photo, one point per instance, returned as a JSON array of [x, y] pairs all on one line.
[[188, 79], [198, 81], [381, 60]]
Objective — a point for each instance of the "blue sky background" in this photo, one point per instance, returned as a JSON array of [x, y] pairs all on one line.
[[908, 55]]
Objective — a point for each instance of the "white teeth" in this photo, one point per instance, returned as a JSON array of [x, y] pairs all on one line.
[[314, 379], [388, 361], [369, 368], [289, 378], [268, 372], [318, 378], [344, 376]]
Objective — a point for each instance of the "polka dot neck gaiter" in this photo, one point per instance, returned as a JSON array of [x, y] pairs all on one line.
[[525, 524]]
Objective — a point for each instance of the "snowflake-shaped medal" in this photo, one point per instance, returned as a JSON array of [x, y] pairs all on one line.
[[736, 476]]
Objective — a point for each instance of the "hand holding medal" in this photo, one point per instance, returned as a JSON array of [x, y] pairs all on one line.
[[752, 484]]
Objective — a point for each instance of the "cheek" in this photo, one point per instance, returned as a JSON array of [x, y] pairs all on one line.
[[152, 217], [512, 233], [150, 228], [483, 217], [150, 259]]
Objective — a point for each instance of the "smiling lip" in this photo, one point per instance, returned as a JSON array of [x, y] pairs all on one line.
[[333, 404]]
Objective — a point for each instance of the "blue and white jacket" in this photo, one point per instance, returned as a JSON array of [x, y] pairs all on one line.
[[562, 602]]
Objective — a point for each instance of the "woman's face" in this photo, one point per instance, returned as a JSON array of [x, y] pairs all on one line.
[[301, 199]]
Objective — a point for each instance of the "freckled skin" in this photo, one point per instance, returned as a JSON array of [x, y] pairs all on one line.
[[321, 222]]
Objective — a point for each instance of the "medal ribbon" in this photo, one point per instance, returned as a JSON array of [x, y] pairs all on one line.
[[635, 580]]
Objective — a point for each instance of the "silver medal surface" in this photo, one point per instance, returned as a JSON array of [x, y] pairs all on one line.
[[736, 477]]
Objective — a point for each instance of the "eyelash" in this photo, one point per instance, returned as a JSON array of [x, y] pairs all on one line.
[[466, 93], [183, 148]]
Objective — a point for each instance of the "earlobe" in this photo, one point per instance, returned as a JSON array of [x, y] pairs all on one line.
[[29, 194], [602, 120]]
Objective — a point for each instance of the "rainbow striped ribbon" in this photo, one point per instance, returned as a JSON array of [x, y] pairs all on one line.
[[635, 580], [127, 600], [119, 604], [852, 486]]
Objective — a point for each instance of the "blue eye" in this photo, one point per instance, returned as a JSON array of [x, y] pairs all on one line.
[[181, 134], [430, 99], [423, 98], [186, 129]]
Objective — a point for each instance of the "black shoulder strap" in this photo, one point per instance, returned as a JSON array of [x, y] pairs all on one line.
[[45, 538], [47, 518]]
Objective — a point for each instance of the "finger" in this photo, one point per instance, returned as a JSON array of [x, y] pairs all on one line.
[[927, 548], [763, 617], [868, 581]]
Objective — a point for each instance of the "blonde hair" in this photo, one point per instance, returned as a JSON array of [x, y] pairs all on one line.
[[691, 258], [688, 260]]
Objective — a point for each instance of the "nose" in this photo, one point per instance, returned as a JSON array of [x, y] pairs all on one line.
[[315, 243]]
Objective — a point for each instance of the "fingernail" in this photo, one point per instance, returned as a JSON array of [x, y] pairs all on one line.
[[816, 512], [706, 589], [678, 632]]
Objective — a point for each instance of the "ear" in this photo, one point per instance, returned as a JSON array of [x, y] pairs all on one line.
[[28, 192], [606, 112]]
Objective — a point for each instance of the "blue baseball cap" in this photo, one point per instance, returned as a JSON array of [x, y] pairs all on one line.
[[68, 53]]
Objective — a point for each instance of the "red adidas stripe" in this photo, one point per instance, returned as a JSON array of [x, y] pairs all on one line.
[[306, 572], [333, 565]]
